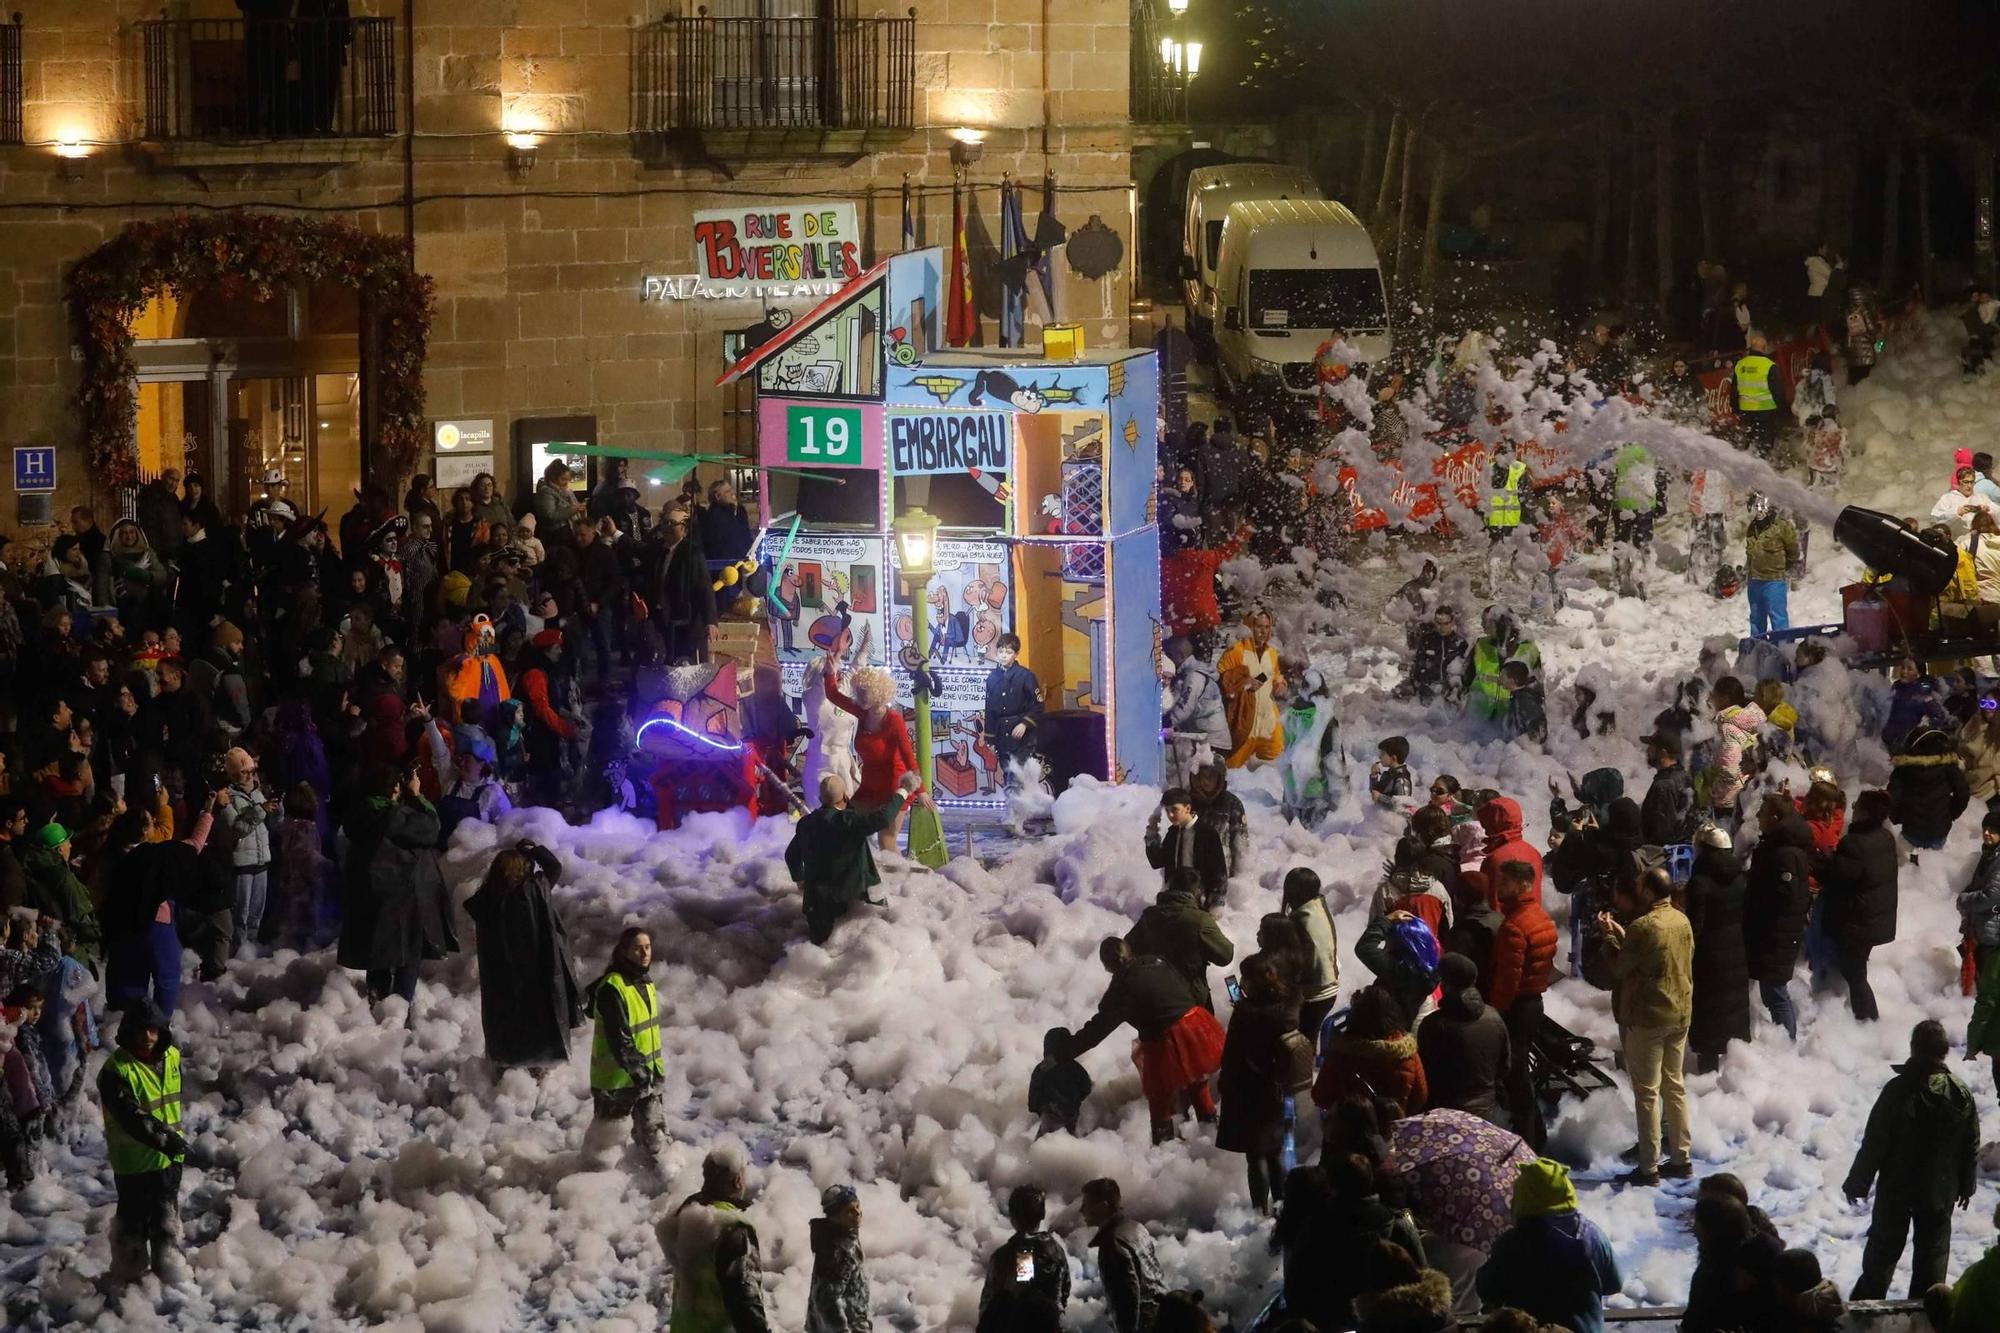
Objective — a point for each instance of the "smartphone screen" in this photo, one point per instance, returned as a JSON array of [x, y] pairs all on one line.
[[1235, 989], [1024, 1267]]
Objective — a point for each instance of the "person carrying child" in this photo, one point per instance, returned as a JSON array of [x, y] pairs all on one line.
[[1314, 768]]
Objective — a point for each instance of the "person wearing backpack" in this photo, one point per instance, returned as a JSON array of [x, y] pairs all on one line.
[[1464, 1046], [1027, 1278], [1261, 1065]]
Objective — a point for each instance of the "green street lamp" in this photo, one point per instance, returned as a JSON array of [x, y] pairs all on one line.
[[916, 552]]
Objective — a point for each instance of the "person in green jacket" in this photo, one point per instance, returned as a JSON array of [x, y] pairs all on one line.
[[54, 889], [1920, 1156], [1973, 1305], [829, 855]]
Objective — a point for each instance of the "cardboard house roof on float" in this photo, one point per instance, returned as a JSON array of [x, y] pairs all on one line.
[[1039, 469]]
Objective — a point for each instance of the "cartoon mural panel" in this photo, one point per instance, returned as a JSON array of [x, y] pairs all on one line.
[[970, 606], [1029, 389], [839, 356], [825, 584]]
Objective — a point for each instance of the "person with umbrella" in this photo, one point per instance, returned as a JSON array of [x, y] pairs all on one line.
[[1457, 1171], [1553, 1262]]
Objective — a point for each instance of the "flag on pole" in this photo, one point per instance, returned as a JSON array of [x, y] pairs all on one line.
[[909, 218], [1014, 284], [961, 327]]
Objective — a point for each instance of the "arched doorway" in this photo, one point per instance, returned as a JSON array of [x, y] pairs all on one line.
[[237, 386], [215, 304]]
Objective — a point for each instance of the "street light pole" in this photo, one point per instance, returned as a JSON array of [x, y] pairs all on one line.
[[921, 616]]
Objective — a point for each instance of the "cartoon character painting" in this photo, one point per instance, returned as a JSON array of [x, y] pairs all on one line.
[[699, 763], [786, 606]]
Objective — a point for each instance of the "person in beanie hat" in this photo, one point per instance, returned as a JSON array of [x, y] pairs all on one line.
[[54, 890], [838, 1299], [1553, 1262], [139, 1088], [1920, 1156]]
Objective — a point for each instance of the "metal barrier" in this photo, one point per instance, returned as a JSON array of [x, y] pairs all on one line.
[[703, 73], [219, 80]]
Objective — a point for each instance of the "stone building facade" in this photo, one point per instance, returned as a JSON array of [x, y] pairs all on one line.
[[539, 245]]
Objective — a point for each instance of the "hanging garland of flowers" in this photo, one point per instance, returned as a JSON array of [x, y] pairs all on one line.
[[264, 254]]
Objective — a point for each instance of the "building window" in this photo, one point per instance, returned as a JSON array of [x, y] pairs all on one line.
[[233, 80]]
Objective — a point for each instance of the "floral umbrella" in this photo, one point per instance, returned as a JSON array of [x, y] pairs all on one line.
[[1459, 1172]]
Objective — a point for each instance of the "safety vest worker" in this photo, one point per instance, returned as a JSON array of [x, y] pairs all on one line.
[[641, 1008], [157, 1094], [1503, 507], [1753, 383], [1488, 698]]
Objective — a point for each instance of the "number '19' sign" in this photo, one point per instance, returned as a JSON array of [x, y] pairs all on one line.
[[829, 436]]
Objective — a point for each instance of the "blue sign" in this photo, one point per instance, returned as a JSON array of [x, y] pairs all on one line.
[[35, 468]]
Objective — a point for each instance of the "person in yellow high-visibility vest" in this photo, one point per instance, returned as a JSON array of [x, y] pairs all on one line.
[[139, 1088], [1503, 504], [1762, 396], [626, 1065], [711, 1244]]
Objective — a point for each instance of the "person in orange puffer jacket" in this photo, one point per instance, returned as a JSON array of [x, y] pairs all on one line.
[[1523, 966]]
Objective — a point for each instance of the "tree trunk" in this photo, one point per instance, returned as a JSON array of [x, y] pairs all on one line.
[[1924, 275], [1635, 222], [1600, 210], [1892, 219], [1403, 274], [1398, 131], [1364, 177], [1434, 219], [1982, 210], [1704, 199], [1663, 216]]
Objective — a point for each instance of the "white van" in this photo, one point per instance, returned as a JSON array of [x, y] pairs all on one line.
[[1210, 192], [1289, 274]]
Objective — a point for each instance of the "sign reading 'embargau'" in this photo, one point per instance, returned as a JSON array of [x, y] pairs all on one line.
[[923, 443]]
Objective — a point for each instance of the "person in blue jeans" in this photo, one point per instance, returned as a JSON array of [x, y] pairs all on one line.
[[1770, 548]]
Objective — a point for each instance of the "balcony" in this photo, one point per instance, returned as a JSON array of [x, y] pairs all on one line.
[[737, 88], [10, 82], [268, 90]]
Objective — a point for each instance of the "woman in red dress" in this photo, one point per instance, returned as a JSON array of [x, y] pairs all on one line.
[[881, 745]]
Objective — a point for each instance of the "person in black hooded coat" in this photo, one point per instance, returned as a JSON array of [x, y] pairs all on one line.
[[1927, 789], [1858, 888], [1776, 904], [396, 912], [529, 999], [1721, 966]]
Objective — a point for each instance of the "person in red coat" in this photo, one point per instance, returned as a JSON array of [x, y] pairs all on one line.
[[1187, 592], [1501, 818], [1373, 1056], [1524, 964], [881, 745]]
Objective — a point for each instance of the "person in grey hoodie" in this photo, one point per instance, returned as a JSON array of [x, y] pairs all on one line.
[[1126, 1262], [245, 821], [1195, 712], [838, 1299]]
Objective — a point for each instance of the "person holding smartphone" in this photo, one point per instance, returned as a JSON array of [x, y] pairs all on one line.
[[396, 909], [1030, 1272]]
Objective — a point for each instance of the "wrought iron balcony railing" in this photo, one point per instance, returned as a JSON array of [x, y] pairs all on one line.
[[700, 73], [232, 80]]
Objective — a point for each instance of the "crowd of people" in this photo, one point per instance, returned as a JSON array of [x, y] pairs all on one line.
[[238, 735], [232, 736]]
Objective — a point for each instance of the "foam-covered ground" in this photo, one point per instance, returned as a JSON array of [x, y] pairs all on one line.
[[372, 1175]]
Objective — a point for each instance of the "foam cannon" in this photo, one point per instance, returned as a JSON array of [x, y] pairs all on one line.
[[1885, 545]]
